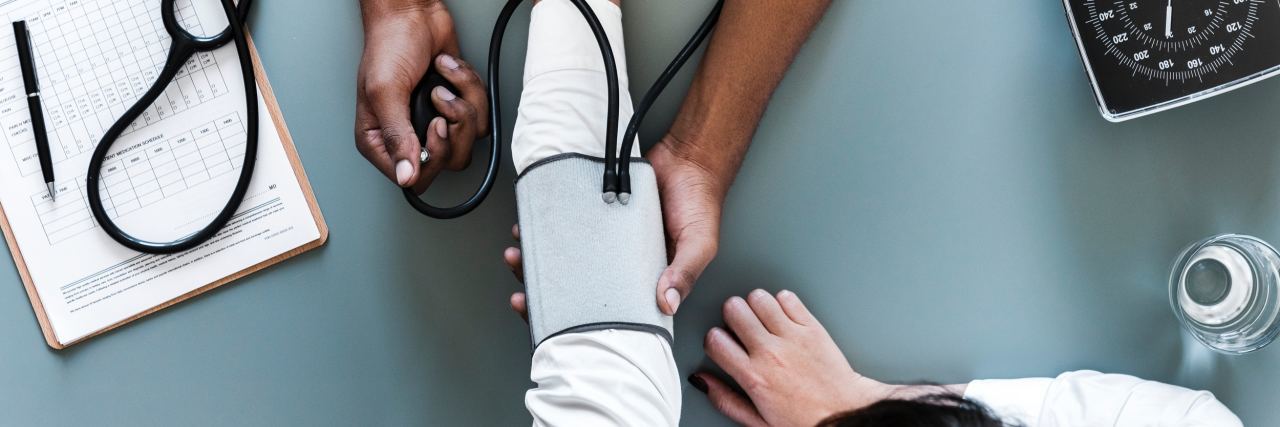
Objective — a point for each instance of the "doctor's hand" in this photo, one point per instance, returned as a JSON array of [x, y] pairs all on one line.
[[402, 37], [692, 198]]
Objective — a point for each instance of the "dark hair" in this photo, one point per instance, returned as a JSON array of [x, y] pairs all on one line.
[[936, 410]]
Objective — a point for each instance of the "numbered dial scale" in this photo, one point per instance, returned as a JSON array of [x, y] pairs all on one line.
[[1145, 56]]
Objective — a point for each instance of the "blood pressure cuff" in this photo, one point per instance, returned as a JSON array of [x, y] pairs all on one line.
[[589, 265]]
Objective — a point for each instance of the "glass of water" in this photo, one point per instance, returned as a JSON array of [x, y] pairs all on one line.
[[1224, 290]]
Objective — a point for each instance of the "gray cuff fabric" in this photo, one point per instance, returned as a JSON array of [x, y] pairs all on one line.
[[589, 265]]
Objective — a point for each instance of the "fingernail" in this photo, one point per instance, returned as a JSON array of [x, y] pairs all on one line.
[[445, 94], [673, 299], [698, 383], [786, 294], [404, 171], [448, 61], [442, 128]]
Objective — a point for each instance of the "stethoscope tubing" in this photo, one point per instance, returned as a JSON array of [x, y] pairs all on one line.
[[495, 126], [616, 184], [497, 137], [650, 97], [611, 76], [183, 47]]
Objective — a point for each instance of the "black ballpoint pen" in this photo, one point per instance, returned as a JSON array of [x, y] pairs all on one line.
[[26, 60]]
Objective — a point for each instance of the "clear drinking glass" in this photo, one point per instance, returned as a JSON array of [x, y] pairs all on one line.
[[1224, 290]]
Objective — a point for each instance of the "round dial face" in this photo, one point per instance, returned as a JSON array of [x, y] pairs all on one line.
[[1174, 39]]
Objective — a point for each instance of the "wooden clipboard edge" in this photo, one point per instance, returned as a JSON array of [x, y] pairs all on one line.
[[277, 117], [27, 284]]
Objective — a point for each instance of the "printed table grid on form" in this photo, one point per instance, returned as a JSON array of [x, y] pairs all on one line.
[[145, 175], [94, 58]]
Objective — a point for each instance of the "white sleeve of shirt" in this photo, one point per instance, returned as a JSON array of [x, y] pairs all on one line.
[[609, 377], [564, 105], [1088, 398], [604, 378]]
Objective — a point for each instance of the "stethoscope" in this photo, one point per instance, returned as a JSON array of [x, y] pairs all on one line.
[[617, 177], [183, 47]]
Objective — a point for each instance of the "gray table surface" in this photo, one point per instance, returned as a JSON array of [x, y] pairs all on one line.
[[933, 177]]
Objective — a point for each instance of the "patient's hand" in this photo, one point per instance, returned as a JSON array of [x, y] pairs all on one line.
[[402, 37], [792, 371], [511, 257]]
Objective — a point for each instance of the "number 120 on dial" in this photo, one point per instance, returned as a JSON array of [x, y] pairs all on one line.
[[1145, 56]]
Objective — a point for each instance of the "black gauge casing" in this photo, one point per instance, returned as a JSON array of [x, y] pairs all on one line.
[[1145, 56]]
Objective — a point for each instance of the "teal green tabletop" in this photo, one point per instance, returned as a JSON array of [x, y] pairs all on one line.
[[933, 177]]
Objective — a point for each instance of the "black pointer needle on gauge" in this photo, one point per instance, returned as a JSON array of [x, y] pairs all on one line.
[[1168, 20]]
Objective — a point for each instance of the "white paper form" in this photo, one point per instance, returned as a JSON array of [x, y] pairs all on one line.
[[166, 177]]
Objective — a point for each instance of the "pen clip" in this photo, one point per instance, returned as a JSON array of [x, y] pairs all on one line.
[[22, 36], [31, 53]]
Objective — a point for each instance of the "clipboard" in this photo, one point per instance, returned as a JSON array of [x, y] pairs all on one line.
[[277, 118]]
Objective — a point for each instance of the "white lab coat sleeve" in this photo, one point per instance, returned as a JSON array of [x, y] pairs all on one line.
[[609, 377], [604, 378], [1088, 398], [564, 104]]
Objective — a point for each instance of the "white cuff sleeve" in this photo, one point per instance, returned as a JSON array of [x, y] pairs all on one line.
[[1092, 398], [564, 106], [1019, 400], [604, 378]]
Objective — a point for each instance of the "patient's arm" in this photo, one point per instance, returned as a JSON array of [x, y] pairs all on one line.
[[586, 375]]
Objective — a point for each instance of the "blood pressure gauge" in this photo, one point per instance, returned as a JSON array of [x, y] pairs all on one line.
[[1146, 56]]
